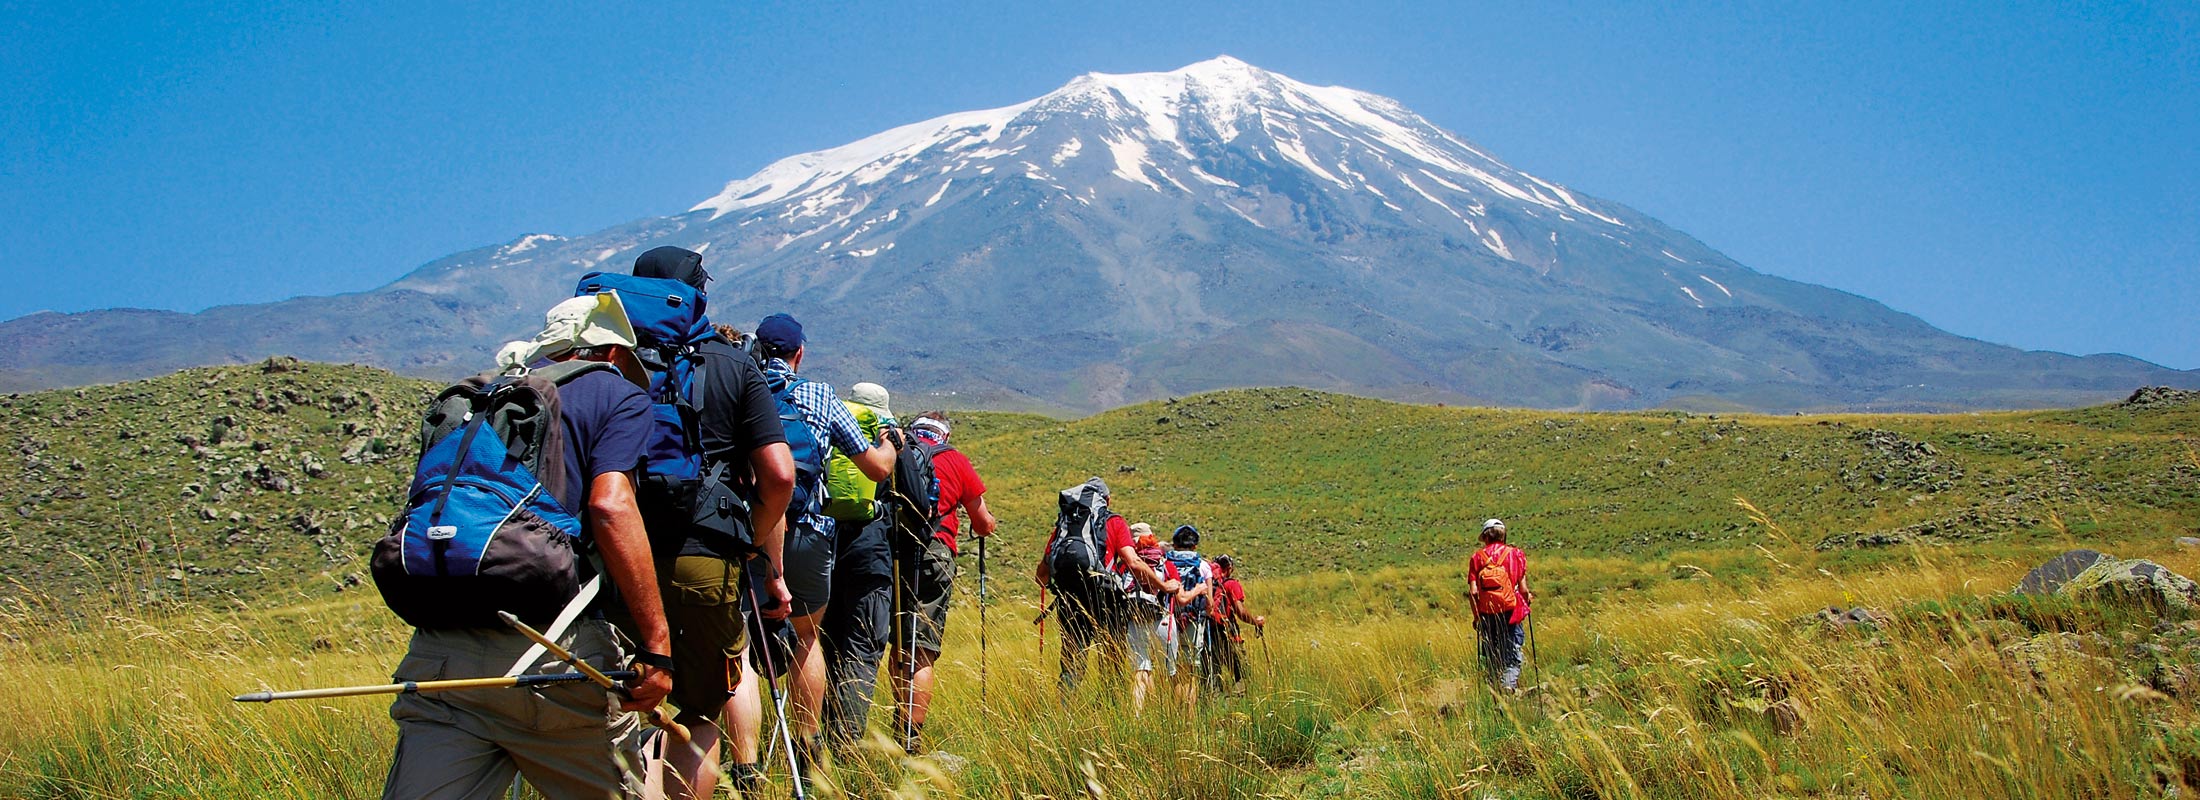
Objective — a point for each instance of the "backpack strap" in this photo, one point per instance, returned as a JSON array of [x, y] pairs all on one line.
[[563, 372]]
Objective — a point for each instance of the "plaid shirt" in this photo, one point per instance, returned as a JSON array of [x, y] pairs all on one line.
[[834, 427]]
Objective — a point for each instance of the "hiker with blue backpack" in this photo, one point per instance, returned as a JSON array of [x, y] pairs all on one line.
[[714, 487], [524, 490], [818, 425], [1196, 583]]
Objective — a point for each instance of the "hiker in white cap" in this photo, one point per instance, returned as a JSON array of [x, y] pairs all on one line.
[[1497, 584], [853, 632], [571, 740]]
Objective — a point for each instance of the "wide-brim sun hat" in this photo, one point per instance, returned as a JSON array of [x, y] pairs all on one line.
[[870, 394], [595, 320]]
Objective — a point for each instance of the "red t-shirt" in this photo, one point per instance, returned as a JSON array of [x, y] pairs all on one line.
[[1515, 563], [959, 483], [1229, 596]]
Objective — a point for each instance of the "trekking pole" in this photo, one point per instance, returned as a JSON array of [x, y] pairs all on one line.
[[657, 715], [1535, 663], [764, 640], [415, 687], [1261, 632], [981, 619]]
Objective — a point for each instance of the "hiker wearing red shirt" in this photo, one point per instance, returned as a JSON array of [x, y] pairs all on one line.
[[1229, 610], [927, 581], [1497, 583], [1086, 557]]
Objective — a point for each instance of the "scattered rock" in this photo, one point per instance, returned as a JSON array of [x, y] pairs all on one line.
[[2139, 582], [1126, 468], [2049, 578], [2149, 398], [2188, 541], [276, 364], [1835, 619]]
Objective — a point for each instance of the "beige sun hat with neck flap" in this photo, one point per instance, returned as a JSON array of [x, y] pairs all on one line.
[[870, 394], [597, 320]]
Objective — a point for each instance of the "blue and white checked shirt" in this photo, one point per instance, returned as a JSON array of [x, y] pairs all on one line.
[[834, 427]]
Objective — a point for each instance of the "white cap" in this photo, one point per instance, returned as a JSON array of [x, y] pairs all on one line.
[[935, 424], [1493, 522], [594, 320], [870, 394]]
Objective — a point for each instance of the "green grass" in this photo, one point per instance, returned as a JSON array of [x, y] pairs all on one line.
[[1675, 648]]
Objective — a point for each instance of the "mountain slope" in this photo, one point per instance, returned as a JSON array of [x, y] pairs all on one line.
[[1127, 237]]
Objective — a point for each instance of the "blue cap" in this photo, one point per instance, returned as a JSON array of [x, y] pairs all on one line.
[[780, 333]]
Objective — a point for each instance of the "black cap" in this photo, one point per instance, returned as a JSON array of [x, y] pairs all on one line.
[[677, 263]]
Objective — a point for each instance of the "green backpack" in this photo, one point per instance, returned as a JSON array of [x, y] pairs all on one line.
[[850, 496]]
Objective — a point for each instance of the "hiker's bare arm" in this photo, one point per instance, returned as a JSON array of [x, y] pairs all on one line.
[[981, 518], [876, 463], [616, 525], [1186, 596], [1143, 571], [773, 466]]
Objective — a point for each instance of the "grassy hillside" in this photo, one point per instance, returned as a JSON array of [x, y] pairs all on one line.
[[1679, 654], [275, 478]]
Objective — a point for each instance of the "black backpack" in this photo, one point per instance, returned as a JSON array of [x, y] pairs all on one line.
[[913, 490], [1077, 560]]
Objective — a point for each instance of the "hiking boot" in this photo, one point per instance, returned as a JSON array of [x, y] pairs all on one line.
[[912, 739], [809, 754], [747, 780]]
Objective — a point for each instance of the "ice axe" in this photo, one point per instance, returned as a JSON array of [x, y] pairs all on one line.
[[657, 715], [416, 687]]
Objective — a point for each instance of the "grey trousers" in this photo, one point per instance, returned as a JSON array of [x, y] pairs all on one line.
[[570, 741]]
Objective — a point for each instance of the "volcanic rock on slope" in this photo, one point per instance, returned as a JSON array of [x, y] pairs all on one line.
[[1132, 236]]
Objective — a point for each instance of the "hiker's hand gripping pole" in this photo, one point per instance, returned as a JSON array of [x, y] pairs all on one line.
[[412, 687], [657, 715]]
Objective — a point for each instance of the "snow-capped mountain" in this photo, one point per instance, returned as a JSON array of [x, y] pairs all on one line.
[[1132, 236]]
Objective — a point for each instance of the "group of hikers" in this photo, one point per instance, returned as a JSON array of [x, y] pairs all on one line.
[[638, 492], [1118, 591], [666, 498]]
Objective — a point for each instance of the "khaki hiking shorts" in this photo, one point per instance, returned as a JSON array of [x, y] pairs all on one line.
[[702, 597]]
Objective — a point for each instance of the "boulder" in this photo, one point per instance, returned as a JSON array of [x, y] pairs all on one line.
[[2138, 582], [2049, 578]]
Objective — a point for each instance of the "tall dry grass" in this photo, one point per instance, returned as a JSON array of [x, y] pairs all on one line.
[[1698, 688]]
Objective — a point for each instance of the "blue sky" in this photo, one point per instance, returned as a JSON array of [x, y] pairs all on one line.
[[2023, 173]]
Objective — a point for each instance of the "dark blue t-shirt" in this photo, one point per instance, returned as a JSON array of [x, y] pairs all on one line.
[[607, 425]]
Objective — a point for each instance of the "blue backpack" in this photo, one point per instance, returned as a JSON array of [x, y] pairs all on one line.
[[669, 323], [484, 529], [1188, 573], [808, 449]]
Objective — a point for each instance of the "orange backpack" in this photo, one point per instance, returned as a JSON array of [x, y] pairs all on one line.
[[1495, 593]]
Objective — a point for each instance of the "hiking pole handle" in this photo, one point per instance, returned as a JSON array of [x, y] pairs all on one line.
[[656, 714]]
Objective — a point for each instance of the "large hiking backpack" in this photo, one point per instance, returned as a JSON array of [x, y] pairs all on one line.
[[1493, 583], [914, 489], [808, 448], [850, 495], [1190, 575], [1076, 560], [484, 529], [669, 325]]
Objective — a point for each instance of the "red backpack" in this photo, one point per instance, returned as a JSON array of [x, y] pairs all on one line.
[[1494, 589]]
